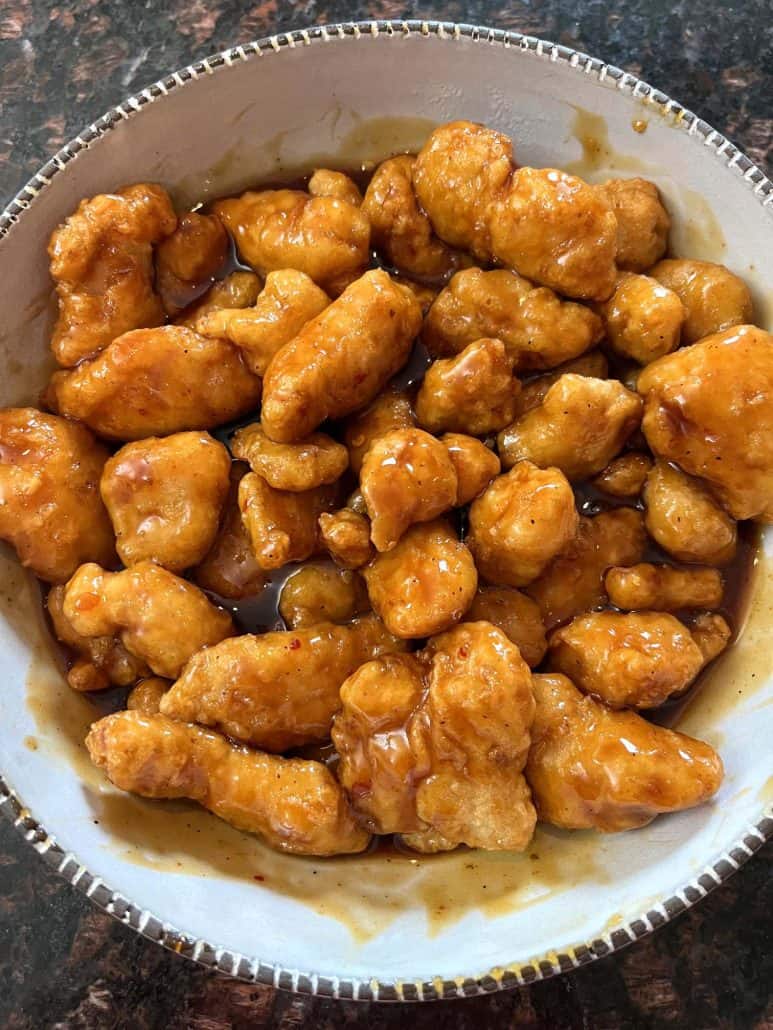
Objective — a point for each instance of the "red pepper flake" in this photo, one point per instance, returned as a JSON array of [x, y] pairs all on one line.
[[295, 644], [464, 651], [259, 878]]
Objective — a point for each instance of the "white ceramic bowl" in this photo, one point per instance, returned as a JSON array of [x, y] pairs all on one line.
[[410, 928]]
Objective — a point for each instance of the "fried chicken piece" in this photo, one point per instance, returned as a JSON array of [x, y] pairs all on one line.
[[574, 580], [229, 568], [346, 535], [321, 593], [399, 229], [51, 512], [624, 477], [537, 327], [516, 615], [713, 297], [146, 696], [101, 661], [643, 223], [663, 588], [712, 635], [433, 745], [579, 426], [685, 520], [591, 767], [152, 382], [642, 318], [194, 253], [327, 183], [628, 659], [406, 477], [237, 291], [425, 295], [341, 359], [474, 463], [286, 303], [425, 584], [709, 408], [316, 461], [282, 525], [157, 616], [550, 226], [165, 496], [390, 410], [521, 521], [295, 805], [474, 392], [102, 264], [276, 690], [323, 236]]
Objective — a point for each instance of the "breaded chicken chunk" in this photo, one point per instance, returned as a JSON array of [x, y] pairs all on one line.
[[321, 592], [341, 359], [642, 318], [625, 476], [151, 382], [165, 496], [390, 410], [538, 329], [663, 588], [475, 465], [643, 223], [158, 617], [295, 805], [327, 183], [709, 408], [276, 690], [282, 525], [591, 767], [238, 290], [51, 512], [146, 695], [534, 390], [102, 264], [316, 461], [713, 297], [187, 259], [433, 745], [521, 521], [346, 535], [516, 615]]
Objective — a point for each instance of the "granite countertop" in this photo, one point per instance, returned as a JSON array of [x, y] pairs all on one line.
[[65, 964]]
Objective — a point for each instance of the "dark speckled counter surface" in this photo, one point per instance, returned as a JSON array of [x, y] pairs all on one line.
[[65, 964]]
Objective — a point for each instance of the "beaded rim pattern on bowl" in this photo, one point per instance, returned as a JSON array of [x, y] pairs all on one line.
[[364, 988]]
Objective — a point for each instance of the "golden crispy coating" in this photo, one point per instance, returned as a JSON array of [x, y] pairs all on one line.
[[574, 581], [341, 359], [634, 659], [475, 465], [286, 303], [642, 222], [146, 696], [323, 236], [165, 496], [159, 617], [474, 392], [591, 767], [390, 410], [425, 584], [229, 568], [516, 615], [685, 520], [550, 226], [101, 661], [151, 382], [663, 588], [406, 477], [521, 521], [346, 535], [276, 690], [579, 426], [315, 461], [533, 391], [51, 512], [282, 525], [321, 593], [538, 329], [295, 805], [102, 264], [433, 745], [643, 319], [710, 409], [424, 294], [399, 229], [712, 635], [238, 290], [713, 297], [189, 257], [327, 183], [624, 477]]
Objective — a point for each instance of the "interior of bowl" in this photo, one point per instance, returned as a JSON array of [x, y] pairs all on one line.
[[374, 926]]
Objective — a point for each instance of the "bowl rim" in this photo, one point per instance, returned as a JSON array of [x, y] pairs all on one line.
[[234, 964]]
